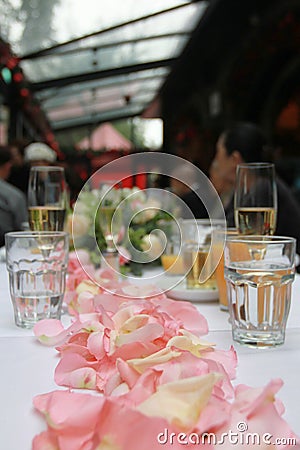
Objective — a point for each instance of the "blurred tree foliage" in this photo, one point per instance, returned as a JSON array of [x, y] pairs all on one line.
[[36, 15]]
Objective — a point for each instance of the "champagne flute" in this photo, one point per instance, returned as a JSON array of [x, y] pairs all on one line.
[[47, 196], [46, 201], [255, 199], [110, 215]]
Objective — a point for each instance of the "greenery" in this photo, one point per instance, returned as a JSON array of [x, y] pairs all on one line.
[[143, 214]]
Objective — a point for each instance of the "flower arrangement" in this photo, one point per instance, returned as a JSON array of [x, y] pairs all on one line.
[[153, 380], [142, 213]]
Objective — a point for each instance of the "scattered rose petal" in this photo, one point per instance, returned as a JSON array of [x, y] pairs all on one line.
[[180, 402], [151, 373]]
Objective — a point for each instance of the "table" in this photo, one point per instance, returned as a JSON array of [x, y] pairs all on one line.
[[27, 367]]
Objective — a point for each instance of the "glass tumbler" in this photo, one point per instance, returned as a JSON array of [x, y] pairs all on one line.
[[37, 266], [259, 271]]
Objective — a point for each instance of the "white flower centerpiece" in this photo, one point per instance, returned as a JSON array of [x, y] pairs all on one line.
[[145, 224]]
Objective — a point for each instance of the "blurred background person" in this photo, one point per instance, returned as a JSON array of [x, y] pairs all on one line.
[[183, 179], [185, 183], [13, 205], [245, 142], [19, 171], [39, 154]]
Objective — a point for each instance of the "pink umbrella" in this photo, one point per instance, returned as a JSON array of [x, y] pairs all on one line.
[[105, 137]]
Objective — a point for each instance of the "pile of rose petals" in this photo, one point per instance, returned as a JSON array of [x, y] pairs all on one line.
[[151, 381]]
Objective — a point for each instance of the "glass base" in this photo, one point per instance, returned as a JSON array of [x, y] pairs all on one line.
[[111, 261], [224, 307], [23, 324], [31, 307], [258, 339], [29, 320]]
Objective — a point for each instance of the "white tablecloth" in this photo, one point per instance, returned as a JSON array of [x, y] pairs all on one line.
[[27, 368]]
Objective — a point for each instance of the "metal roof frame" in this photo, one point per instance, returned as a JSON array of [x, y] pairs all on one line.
[[109, 74], [58, 86]]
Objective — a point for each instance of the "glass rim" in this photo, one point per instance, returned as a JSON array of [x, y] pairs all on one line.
[[47, 168], [34, 234], [259, 239], [227, 231], [254, 165], [203, 221]]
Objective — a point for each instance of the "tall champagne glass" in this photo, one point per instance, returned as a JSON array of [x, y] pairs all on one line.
[[110, 216], [255, 199], [47, 197]]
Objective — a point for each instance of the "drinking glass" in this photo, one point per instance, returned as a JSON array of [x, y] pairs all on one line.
[[194, 258], [259, 289], [255, 199], [36, 278], [110, 215], [47, 197], [200, 256], [221, 282]]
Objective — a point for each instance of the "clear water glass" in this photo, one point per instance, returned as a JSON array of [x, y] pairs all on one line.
[[36, 278], [259, 271]]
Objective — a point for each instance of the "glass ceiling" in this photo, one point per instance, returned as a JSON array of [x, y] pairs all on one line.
[[91, 61]]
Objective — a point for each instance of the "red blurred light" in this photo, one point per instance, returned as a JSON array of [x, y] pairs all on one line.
[[18, 77], [24, 92], [50, 136], [12, 62]]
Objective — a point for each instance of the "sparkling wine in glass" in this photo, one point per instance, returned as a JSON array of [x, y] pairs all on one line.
[[255, 199], [110, 215], [47, 196], [110, 219]]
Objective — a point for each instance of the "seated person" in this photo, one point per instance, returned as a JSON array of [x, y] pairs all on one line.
[[184, 182], [39, 154], [35, 154], [13, 207], [19, 171], [245, 143]]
